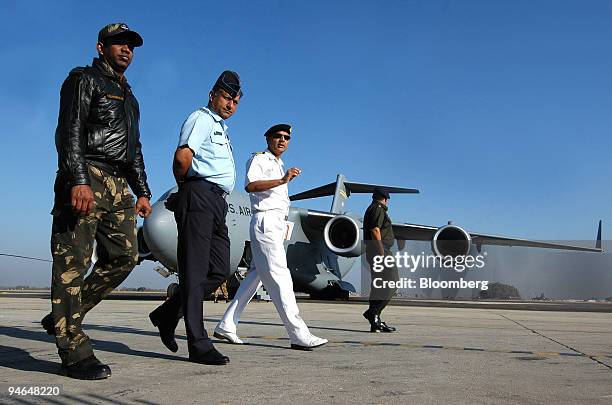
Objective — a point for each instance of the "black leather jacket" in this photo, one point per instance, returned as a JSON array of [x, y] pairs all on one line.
[[98, 125]]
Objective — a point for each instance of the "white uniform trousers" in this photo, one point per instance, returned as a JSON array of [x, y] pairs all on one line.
[[269, 266]]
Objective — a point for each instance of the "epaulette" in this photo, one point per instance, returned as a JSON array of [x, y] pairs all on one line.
[[79, 70], [257, 153]]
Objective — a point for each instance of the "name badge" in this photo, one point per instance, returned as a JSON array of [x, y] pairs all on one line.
[[113, 97]]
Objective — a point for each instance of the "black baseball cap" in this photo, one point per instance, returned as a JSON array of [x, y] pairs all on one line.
[[115, 29], [381, 192], [230, 82], [278, 127]]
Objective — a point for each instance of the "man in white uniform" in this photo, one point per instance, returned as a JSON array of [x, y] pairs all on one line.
[[266, 182]]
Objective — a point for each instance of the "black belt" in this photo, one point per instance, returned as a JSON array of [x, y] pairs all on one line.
[[213, 186]]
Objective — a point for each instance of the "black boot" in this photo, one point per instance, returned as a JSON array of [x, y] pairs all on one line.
[[87, 369], [166, 326], [48, 324]]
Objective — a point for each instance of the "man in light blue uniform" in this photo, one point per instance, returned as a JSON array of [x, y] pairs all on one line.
[[204, 169], [205, 134]]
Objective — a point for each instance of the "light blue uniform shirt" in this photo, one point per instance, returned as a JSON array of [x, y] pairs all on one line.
[[205, 133]]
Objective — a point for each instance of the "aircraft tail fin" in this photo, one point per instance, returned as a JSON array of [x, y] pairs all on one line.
[[598, 242], [341, 191]]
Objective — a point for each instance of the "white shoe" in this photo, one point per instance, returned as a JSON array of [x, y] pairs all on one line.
[[310, 344], [229, 336]]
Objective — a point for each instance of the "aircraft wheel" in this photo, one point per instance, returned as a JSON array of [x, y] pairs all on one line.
[[172, 290]]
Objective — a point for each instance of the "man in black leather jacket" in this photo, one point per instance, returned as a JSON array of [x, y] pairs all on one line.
[[99, 156]]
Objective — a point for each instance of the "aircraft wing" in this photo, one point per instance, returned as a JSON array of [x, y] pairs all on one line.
[[317, 219], [426, 233], [341, 189]]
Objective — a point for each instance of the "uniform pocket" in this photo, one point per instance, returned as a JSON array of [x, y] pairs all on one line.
[[218, 138], [61, 199], [218, 147], [272, 224]]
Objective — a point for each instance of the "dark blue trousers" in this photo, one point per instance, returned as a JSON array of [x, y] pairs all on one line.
[[203, 255]]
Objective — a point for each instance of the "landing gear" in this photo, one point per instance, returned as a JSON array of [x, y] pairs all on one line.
[[173, 289]]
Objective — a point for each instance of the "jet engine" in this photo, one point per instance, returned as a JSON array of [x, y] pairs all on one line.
[[451, 240], [342, 235]]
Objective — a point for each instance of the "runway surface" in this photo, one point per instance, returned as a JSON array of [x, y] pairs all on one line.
[[438, 355]]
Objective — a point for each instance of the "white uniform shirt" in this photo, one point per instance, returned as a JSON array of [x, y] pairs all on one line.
[[265, 166]]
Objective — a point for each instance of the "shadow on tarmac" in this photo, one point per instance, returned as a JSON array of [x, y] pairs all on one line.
[[20, 359], [309, 326]]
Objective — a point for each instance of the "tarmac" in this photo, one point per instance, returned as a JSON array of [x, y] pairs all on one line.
[[438, 355]]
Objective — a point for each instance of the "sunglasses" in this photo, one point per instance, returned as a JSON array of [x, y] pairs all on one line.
[[279, 136]]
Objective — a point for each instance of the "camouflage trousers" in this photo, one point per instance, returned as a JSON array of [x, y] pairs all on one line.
[[112, 224]]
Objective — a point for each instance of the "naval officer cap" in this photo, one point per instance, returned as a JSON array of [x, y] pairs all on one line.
[[230, 82], [120, 30], [381, 192], [277, 128]]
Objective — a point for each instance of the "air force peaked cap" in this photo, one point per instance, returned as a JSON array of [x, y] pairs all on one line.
[[230, 82], [278, 127]]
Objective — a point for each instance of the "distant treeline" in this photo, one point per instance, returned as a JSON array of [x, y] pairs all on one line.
[[27, 287]]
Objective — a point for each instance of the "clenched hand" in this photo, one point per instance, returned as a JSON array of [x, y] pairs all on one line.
[[81, 199], [143, 207]]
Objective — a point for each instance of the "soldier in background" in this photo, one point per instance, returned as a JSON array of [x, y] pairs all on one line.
[[99, 156], [378, 237], [221, 290]]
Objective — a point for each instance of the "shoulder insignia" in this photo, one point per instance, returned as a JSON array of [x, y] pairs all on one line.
[[78, 70]]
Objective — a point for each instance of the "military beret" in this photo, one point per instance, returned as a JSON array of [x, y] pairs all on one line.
[[230, 82], [381, 192], [278, 127], [115, 29]]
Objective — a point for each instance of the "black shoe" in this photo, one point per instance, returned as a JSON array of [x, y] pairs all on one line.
[[48, 324], [374, 320], [211, 357], [87, 369], [166, 330], [386, 328]]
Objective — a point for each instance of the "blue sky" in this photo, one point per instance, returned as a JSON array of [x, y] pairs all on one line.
[[500, 112]]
